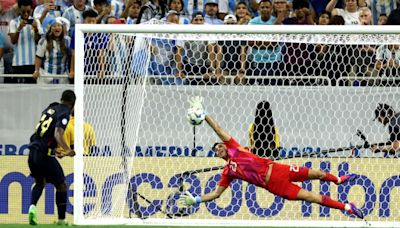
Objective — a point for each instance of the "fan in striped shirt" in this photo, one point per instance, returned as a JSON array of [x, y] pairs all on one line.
[[52, 54]]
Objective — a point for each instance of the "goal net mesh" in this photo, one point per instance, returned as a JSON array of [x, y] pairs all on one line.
[[302, 99]]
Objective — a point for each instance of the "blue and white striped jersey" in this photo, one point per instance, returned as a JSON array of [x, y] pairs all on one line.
[[74, 16], [193, 6], [25, 48], [54, 61], [37, 13]]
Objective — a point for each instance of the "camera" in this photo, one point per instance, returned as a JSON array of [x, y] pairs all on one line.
[[29, 21], [57, 8]]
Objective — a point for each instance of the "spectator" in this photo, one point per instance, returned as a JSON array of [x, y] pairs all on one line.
[[365, 16], [226, 7], [95, 45], [71, 75], [302, 12], [113, 7], [111, 20], [252, 6], [103, 8], [394, 17], [74, 13], [48, 8], [133, 7], [152, 9], [177, 5], [350, 13], [337, 20], [324, 18], [333, 59], [195, 59], [379, 7], [24, 32], [299, 57], [265, 18], [52, 54], [281, 7], [166, 55], [265, 57], [231, 56], [388, 60], [382, 20], [7, 13], [211, 13], [242, 13], [319, 6], [192, 7]]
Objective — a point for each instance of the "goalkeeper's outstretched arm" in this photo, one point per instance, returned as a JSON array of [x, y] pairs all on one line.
[[196, 103], [188, 199], [222, 134]]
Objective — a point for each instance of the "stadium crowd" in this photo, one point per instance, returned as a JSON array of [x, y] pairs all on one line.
[[37, 38]]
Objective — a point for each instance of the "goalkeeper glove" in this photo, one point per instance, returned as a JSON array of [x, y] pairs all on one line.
[[196, 102], [188, 199]]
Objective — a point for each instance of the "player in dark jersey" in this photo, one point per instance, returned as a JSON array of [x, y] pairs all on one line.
[[386, 115], [275, 177], [42, 160]]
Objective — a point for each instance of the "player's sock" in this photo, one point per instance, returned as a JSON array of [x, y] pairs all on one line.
[[329, 202], [33, 220], [331, 178], [61, 202], [36, 193], [346, 178]]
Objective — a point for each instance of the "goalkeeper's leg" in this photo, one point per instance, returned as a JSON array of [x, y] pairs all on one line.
[[329, 202], [325, 176]]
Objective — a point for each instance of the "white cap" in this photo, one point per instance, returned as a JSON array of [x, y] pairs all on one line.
[[230, 18]]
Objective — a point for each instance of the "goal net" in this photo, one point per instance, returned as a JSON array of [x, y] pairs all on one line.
[[313, 99]]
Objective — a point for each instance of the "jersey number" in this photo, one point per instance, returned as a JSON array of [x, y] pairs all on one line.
[[44, 123], [232, 165], [294, 168]]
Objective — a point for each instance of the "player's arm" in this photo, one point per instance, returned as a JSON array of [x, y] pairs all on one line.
[[222, 134], [188, 199], [196, 103], [59, 136]]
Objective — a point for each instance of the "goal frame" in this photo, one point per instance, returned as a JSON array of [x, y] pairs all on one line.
[[80, 29]]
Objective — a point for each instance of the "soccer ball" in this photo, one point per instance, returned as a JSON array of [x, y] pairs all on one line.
[[195, 116]]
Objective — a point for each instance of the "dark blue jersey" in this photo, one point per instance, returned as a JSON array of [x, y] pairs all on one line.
[[56, 115]]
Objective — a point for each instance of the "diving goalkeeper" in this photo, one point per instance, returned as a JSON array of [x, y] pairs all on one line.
[[275, 177]]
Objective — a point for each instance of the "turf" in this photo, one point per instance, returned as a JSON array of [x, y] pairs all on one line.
[[119, 226]]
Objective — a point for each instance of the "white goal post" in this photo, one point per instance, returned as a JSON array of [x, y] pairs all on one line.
[[323, 85]]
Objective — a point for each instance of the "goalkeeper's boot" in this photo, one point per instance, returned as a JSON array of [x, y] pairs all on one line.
[[357, 212], [347, 178], [62, 222], [33, 220]]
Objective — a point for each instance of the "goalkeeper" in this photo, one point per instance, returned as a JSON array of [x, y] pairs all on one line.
[[275, 177]]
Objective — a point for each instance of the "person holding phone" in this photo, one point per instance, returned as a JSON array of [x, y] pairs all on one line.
[[48, 8], [24, 32]]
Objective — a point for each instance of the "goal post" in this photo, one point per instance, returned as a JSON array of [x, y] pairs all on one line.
[[308, 93]]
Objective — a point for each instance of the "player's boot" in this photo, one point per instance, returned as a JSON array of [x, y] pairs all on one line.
[[357, 212], [62, 222], [33, 220], [347, 178]]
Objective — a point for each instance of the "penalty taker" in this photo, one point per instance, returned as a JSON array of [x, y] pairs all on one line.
[[275, 177]]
